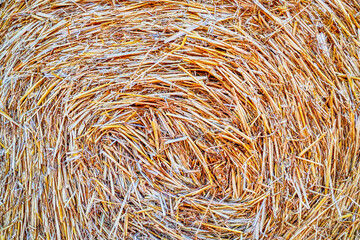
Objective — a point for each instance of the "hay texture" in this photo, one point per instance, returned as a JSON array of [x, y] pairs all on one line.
[[176, 119]]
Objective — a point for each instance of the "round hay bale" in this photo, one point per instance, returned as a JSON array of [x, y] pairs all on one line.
[[174, 119]]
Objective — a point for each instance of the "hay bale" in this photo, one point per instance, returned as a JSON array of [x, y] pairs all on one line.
[[174, 119]]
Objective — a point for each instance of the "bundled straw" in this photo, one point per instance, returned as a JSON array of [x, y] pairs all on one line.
[[176, 119]]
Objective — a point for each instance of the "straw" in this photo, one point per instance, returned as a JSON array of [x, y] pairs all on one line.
[[174, 119]]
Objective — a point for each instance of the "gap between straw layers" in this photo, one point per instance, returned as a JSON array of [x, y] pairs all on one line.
[[179, 119]]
